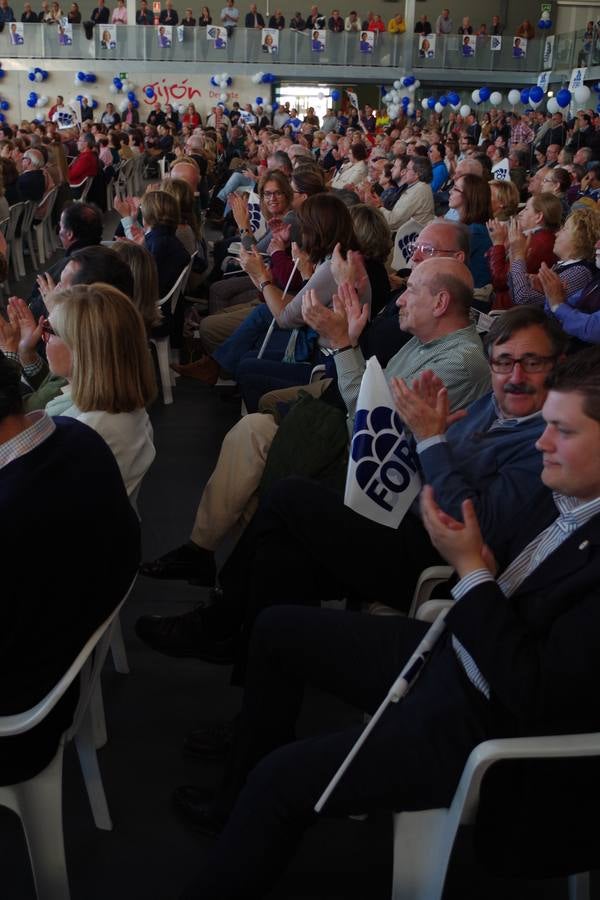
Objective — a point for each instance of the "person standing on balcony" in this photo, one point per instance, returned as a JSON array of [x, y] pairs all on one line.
[[101, 14], [119, 16], [444, 24], [315, 19], [28, 15], [335, 21], [277, 20], [466, 27], [352, 22], [6, 14], [496, 26], [230, 16], [397, 25], [169, 16], [423, 26], [525, 30], [253, 18], [144, 16]]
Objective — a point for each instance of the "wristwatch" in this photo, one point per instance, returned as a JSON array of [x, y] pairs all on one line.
[[263, 284]]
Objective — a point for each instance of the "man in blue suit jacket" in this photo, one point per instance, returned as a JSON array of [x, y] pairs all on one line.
[[520, 656]]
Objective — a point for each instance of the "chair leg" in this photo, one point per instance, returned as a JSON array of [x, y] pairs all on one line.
[[579, 886], [98, 717], [86, 750], [117, 648], [162, 353], [422, 846], [32, 256], [18, 255], [38, 802], [39, 233]]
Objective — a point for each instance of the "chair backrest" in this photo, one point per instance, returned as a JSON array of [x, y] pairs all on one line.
[[174, 294], [86, 189], [47, 202], [97, 645], [15, 213], [27, 217]]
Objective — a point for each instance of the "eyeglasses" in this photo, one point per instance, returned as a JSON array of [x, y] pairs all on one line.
[[458, 190], [269, 194], [47, 331], [547, 179], [429, 250], [530, 363]]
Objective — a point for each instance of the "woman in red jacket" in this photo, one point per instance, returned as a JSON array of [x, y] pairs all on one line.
[[191, 117], [540, 220]]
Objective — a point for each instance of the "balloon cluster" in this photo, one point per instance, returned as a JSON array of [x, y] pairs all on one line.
[[224, 80], [4, 105], [400, 98], [37, 74], [123, 86], [85, 78], [2, 72], [263, 78], [93, 103], [33, 100], [450, 99], [545, 20]]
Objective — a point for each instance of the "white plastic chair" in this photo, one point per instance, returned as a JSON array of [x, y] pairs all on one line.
[[138, 174], [110, 193], [25, 235], [38, 801], [423, 840], [15, 212], [162, 343], [41, 230], [123, 182], [85, 186]]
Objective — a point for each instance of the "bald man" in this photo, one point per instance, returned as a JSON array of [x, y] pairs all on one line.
[[435, 310]]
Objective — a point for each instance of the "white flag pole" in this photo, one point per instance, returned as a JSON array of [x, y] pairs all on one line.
[[398, 690], [272, 325]]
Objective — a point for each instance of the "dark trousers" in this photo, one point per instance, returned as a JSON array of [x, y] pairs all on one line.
[[412, 760], [304, 546]]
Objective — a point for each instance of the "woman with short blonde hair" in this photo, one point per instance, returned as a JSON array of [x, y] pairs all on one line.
[[505, 199]]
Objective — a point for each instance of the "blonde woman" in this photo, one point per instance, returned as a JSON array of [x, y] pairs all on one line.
[[145, 281], [95, 338]]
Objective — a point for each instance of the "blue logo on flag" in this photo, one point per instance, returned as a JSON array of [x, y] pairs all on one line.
[[384, 458], [406, 245]]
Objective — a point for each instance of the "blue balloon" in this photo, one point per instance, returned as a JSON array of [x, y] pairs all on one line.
[[4, 104], [32, 96], [536, 94], [94, 104], [81, 76], [335, 95], [90, 78], [214, 81], [443, 101], [31, 102], [44, 74], [2, 117], [563, 98], [596, 87], [598, 108], [525, 96], [259, 101], [131, 96], [79, 98], [431, 102], [116, 80], [275, 105], [135, 103], [229, 82], [2, 73], [405, 101], [31, 76], [454, 98], [149, 92], [485, 93], [410, 79]]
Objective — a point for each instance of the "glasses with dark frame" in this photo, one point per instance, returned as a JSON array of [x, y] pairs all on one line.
[[47, 331], [530, 363]]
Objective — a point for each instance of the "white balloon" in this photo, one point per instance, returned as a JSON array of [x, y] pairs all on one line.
[[39, 76], [465, 111], [385, 99], [76, 81], [410, 109], [397, 84], [268, 108], [181, 109], [424, 103], [552, 106], [73, 102], [39, 102], [223, 97], [439, 108], [535, 104], [123, 105], [42, 101], [475, 96], [393, 111], [257, 77], [496, 98], [514, 97], [455, 106], [320, 95], [40, 118], [582, 93], [112, 88], [417, 84], [412, 88]]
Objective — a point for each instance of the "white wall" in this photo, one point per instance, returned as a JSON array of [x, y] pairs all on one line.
[[176, 88]]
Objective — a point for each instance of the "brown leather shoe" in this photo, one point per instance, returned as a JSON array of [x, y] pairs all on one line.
[[205, 369]]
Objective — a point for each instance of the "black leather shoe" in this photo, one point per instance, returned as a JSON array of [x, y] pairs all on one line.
[[212, 740], [184, 636], [189, 562], [195, 807]]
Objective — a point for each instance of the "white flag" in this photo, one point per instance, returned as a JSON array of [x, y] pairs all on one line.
[[383, 478], [257, 221]]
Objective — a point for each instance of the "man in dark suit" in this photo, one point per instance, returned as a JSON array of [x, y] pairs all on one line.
[[169, 16], [520, 656], [473, 128], [253, 18], [31, 182], [45, 624], [556, 134], [100, 14]]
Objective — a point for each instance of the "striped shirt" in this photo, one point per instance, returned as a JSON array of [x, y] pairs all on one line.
[[574, 274], [573, 514], [41, 426]]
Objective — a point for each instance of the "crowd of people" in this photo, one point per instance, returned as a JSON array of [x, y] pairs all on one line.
[[494, 309]]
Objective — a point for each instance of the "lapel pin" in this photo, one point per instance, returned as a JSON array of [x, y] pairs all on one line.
[[584, 544]]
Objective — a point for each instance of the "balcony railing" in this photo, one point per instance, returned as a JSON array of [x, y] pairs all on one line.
[[139, 42]]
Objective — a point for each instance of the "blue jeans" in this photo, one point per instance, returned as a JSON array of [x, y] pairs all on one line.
[[249, 336]]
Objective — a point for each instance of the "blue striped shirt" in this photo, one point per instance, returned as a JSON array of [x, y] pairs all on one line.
[[573, 514]]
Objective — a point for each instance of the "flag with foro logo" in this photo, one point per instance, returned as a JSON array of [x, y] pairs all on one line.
[[383, 478]]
